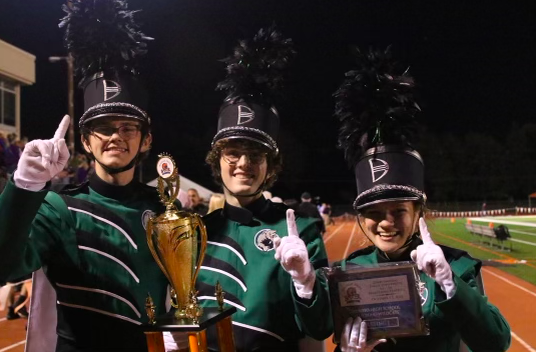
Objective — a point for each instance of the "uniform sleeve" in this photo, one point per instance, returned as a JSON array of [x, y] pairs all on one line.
[[480, 324], [314, 316], [28, 227]]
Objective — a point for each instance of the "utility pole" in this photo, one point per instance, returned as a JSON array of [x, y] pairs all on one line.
[[70, 100]]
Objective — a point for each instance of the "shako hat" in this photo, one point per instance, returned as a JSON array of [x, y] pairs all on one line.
[[254, 82], [106, 44], [376, 110]]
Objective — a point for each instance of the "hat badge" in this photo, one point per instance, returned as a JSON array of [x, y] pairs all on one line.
[[378, 169], [245, 115], [111, 89]]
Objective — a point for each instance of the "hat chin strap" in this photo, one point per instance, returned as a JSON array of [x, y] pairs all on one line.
[[117, 170], [261, 189]]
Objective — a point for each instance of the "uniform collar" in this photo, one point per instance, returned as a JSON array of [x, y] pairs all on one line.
[[383, 258], [245, 215], [112, 191]]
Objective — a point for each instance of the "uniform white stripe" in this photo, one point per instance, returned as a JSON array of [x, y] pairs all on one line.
[[108, 222], [231, 249], [104, 293], [112, 258], [242, 308], [226, 274], [122, 317], [259, 330], [13, 346]]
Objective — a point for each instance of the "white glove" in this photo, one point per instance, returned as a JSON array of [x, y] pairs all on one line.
[[354, 337], [292, 254], [41, 160], [431, 260]]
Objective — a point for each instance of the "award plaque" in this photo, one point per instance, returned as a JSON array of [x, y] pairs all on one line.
[[386, 296]]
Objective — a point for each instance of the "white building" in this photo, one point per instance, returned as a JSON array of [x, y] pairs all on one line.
[[17, 68]]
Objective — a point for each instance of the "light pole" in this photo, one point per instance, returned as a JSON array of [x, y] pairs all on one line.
[[70, 85]]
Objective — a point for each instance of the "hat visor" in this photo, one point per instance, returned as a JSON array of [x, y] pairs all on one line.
[[251, 134], [391, 195], [123, 110]]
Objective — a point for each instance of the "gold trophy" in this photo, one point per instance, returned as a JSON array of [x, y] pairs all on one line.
[[173, 238]]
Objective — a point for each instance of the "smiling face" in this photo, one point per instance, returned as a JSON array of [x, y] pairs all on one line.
[[243, 170], [114, 142], [389, 225]]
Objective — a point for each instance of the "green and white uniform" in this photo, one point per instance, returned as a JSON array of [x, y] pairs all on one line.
[[91, 243], [270, 316], [467, 316]]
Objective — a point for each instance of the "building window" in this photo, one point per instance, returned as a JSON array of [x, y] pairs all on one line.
[[8, 103]]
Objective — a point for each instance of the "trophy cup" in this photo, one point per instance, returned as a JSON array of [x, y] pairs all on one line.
[[173, 240], [178, 241]]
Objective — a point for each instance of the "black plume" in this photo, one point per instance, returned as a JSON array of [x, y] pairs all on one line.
[[102, 35], [256, 69], [375, 105]]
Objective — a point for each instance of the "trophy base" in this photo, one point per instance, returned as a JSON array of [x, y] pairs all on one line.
[[196, 331], [168, 321]]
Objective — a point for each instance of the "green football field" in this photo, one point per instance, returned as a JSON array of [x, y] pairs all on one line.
[[521, 261]]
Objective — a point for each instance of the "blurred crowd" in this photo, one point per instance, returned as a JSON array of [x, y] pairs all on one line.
[[76, 171]]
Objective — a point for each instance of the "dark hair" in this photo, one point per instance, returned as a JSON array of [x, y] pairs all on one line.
[[274, 161]]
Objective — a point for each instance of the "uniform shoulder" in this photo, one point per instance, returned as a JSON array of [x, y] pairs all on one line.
[[211, 217], [459, 260]]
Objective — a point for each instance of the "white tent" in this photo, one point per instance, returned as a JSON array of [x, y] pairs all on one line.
[[186, 184]]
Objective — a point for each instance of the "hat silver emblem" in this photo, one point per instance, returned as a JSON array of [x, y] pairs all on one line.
[[378, 168], [111, 89], [245, 115]]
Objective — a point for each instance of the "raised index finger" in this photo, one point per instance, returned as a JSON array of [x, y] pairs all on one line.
[[425, 235], [62, 128], [291, 223]]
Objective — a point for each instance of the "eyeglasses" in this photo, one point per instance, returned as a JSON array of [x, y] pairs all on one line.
[[232, 156], [126, 132]]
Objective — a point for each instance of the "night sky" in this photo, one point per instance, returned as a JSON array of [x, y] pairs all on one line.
[[474, 63]]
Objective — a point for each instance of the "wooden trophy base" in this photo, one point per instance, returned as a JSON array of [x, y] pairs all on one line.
[[196, 332]]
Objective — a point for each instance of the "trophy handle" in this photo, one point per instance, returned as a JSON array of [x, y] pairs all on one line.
[[203, 249], [149, 233]]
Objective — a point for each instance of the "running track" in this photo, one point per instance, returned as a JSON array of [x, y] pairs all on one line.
[[515, 298]]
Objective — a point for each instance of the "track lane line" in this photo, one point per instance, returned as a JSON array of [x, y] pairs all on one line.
[[520, 340], [508, 281], [349, 241], [333, 233], [13, 346]]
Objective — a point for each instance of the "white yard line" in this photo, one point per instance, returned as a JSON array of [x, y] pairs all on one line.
[[349, 241], [507, 222], [523, 232], [333, 233], [525, 242], [526, 345], [13, 346]]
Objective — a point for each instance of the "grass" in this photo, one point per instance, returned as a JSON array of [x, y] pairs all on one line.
[[455, 235]]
